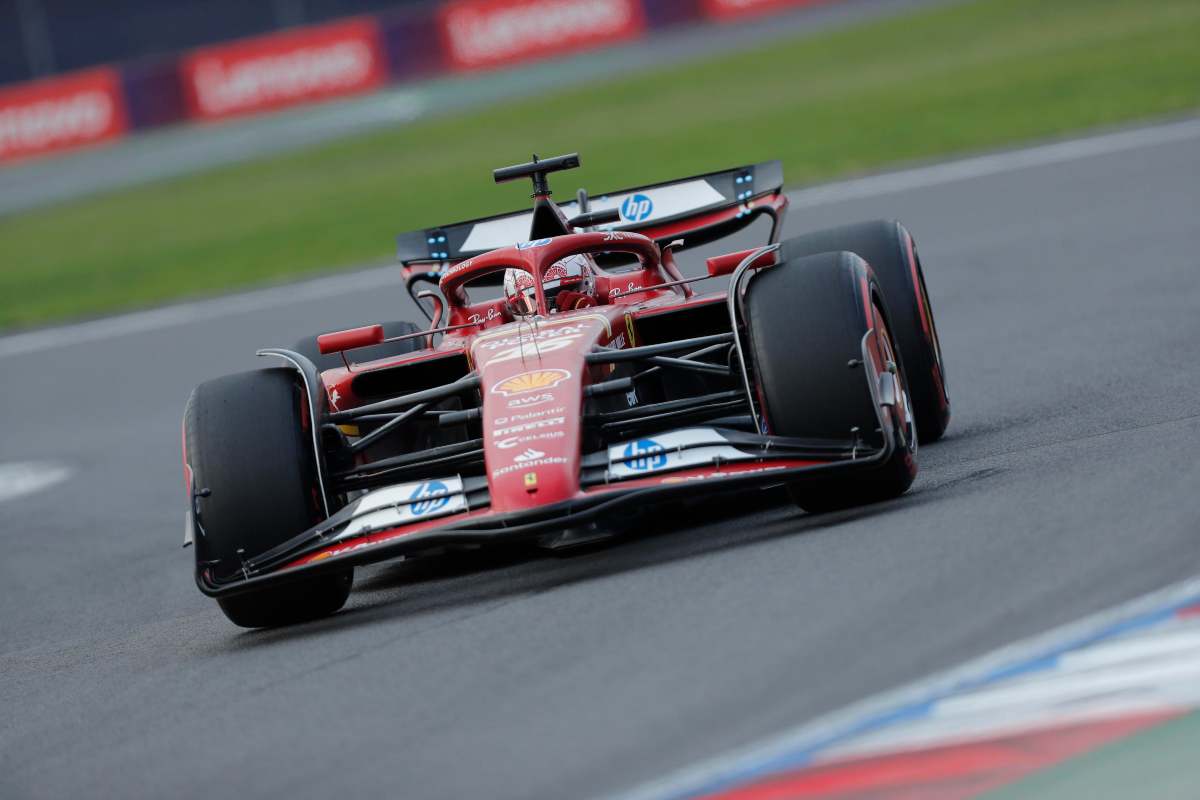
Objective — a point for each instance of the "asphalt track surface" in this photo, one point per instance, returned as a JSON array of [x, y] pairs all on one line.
[[1067, 297]]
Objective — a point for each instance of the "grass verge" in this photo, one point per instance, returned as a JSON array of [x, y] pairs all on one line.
[[944, 81]]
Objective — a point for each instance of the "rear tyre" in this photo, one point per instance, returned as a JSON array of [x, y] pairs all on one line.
[[250, 449], [806, 321], [308, 346], [889, 248]]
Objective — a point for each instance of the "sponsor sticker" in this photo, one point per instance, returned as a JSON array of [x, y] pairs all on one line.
[[534, 244], [543, 333], [523, 416], [428, 497], [618, 291], [636, 208], [510, 442], [534, 462], [533, 400], [645, 454], [528, 455], [552, 422], [410, 502], [685, 448], [479, 319], [532, 381], [661, 202]]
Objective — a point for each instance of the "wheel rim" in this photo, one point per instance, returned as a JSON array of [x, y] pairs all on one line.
[[888, 353]]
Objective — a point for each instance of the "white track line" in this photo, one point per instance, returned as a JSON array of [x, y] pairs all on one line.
[[837, 724], [869, 186]]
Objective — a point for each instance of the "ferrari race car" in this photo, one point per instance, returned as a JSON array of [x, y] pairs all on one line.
[[569, 378]]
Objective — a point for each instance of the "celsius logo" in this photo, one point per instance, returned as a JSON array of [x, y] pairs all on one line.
[[645, 454], [636, 207], [429, 496]]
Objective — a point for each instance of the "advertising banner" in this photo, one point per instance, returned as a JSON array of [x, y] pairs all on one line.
[[490, 33], [283, 69], [61, 113], [728, 9]]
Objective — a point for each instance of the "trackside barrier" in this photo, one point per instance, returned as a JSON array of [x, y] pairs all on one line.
[[478, 34], [731, 9], [284, 69], [61, 113], [319, 62]]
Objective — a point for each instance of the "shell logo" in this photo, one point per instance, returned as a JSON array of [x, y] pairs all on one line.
[[531, 381]]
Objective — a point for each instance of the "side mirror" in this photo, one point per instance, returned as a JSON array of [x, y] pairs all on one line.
[[593, 218], [726, 264], [339, 341]]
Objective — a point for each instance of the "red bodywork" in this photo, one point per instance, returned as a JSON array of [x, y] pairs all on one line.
[[535, 377], [534, 373]]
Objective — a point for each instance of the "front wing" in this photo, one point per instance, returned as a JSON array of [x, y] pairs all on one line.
[[405, 520]]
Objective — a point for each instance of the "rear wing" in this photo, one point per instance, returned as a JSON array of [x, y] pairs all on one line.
[[697, 210]]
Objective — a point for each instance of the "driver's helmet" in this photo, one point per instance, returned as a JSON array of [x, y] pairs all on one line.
[[568, 283]]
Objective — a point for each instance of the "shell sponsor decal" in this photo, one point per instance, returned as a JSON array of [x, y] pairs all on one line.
[[532, 381]]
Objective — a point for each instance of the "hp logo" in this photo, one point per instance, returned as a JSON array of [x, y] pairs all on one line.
[[636, 208], [424, 501], [645, 454]]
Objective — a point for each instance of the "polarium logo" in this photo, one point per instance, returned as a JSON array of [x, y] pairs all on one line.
[[636, 207], [429, 497], [645, 454]]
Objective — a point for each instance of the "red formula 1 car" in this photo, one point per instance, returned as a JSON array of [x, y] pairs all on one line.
[[569, 378]]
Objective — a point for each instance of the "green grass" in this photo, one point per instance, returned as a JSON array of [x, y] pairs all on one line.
[[950, 80]]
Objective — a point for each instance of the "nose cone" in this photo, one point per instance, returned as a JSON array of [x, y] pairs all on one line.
[[533, 375]]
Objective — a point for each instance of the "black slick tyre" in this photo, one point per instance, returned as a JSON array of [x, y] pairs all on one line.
[[889, 248], [248, 449], [806, 320]]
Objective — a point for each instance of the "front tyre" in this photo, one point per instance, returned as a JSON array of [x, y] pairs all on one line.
[[806, 320], [889, 249], [249, 449]]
